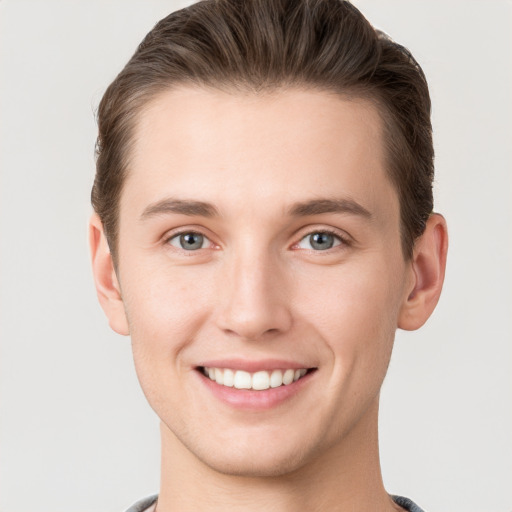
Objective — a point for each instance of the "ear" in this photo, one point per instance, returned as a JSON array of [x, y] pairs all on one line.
[[105, 279], [427, 274]]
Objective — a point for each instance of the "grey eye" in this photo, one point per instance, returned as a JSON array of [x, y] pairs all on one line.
[[189, 241], [319, 241]]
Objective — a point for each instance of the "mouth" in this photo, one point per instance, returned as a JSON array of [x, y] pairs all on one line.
[[260, 380]]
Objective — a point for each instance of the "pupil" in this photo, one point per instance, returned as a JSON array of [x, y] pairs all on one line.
[[191, 241], [321, 241]]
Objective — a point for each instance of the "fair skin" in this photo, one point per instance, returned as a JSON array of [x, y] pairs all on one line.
[[260, 233]]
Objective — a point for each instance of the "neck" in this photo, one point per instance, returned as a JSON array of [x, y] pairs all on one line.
[[346, 477]]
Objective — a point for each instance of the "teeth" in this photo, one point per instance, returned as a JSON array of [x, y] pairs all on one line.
[[258, 381], [261, 380], [219, 376], [288, 377], [276, 379], [298, 374], [243, 380], [229, 378]]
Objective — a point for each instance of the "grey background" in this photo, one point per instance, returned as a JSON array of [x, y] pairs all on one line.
[[75, 431]]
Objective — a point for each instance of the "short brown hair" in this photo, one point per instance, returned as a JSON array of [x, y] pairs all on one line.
[[261, 45]]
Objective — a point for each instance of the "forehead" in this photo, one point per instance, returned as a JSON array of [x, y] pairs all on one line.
[[241, 150]]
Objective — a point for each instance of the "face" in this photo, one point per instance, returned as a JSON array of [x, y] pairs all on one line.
[[261, 272]]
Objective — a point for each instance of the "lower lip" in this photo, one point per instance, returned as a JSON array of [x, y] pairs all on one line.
[[255, 400]]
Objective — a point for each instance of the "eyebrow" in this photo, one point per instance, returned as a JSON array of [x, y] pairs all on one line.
[[183, 207], [301, 209], [319, 206]]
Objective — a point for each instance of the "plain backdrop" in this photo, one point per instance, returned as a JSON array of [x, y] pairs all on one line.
[[76, 433]]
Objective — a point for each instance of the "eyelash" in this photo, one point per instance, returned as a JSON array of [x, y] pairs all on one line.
[[168, 239], [343, 240]]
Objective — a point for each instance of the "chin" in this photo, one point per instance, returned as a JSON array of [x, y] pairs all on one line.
[[252, 456], [249, 466]]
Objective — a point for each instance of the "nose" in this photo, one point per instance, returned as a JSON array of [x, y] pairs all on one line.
[[254, 302]]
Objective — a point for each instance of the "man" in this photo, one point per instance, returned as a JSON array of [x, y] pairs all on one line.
[[263, 224]]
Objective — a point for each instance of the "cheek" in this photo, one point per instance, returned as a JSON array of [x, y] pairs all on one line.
[[165, 309], [165, 312], [356, 314]]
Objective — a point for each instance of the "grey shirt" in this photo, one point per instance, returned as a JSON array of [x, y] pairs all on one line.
[[148, 503]]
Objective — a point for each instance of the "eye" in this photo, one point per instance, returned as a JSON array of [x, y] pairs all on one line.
[[189, 241], [320, 241]]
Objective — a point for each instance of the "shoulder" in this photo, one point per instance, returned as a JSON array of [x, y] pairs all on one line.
[[144, 505], [147, 504], [407, 504]]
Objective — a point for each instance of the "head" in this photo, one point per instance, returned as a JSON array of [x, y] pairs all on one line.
[[263, 205]]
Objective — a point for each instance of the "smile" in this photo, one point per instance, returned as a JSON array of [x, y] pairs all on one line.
[[257, 381]]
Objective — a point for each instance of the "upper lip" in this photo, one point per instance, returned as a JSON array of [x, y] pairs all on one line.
[[253, 365]]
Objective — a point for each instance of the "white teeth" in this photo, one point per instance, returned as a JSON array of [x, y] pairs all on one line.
[[243, 380], [258, 381], [276, 379], [288, 377], [229, 378], [219, 376], [261, 380], [299, 373]]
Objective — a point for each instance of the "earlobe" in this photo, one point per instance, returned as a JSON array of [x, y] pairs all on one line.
[[428, 269], [105, 279]]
